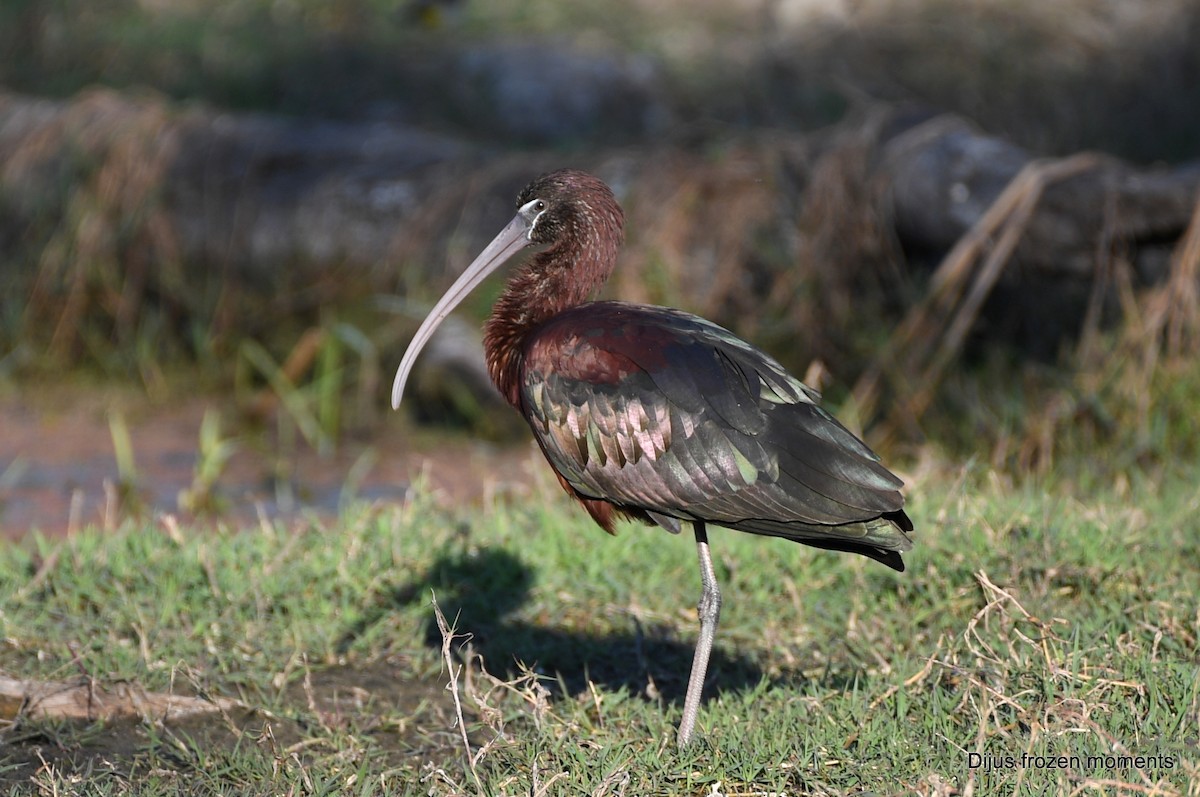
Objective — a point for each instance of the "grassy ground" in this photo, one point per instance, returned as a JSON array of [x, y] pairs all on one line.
[[1031, 622], [1035, 627]]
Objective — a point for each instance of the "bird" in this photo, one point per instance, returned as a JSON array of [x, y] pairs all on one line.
[[653, 414]]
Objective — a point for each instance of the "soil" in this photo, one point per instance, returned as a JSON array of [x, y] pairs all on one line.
[[349, 698], [58, 471]]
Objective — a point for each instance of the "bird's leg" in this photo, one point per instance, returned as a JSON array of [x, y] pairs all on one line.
[[709, 609]]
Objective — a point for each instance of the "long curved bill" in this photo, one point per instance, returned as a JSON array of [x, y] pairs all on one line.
[[512, 239]]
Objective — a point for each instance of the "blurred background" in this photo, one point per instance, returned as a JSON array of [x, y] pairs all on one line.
[[972, 223]]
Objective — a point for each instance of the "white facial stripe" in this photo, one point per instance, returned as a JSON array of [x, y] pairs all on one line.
[[532, 214]]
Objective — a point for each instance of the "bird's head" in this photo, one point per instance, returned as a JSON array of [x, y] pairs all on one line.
[[557, 209], [566, 203]]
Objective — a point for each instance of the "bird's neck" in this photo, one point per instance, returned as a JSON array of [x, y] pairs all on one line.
[[567, 274]]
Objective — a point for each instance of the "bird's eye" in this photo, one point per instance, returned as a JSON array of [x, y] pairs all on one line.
[[532, 211]]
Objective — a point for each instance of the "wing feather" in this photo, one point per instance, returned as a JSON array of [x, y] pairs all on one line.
[[676, 417]]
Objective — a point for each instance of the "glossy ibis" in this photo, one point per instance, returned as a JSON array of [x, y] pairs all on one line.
[[661, 416]]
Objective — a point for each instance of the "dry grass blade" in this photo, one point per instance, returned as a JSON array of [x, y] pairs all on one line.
[[299, 361], [692, 228], [1160, 328], [121, 152], [932, 334], [455, 669], [841, 258], [1173, 315]]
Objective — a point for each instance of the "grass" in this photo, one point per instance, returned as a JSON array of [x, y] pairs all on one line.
[[1057, 620], [1032, 621]]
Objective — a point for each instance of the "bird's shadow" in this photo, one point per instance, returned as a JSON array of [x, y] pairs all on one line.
[[478, 591]]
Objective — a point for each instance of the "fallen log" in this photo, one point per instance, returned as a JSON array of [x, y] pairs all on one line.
[[1039, 217], [939, 177], [89, 700]]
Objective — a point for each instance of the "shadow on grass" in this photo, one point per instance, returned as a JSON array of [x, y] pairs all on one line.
[[479, 591]]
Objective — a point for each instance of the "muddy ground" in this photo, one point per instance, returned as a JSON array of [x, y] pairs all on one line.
[[57, 454]]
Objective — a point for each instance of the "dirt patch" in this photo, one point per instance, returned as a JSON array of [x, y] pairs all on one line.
[[378, 708]]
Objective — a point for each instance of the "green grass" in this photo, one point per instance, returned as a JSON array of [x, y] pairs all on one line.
[[1044, 624]]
